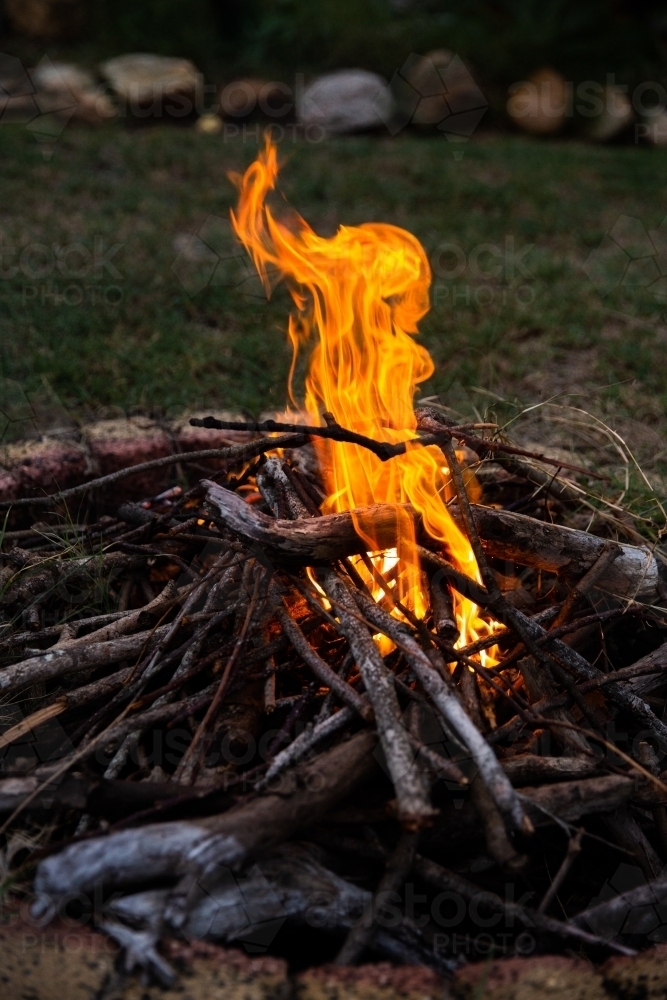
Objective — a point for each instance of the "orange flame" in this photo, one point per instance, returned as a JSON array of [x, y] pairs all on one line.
[[362, 293]]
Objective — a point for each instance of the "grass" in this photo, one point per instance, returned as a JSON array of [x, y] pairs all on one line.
[[159, 330]]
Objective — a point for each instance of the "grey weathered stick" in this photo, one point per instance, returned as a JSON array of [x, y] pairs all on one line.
[[304, 743], [552, 547], [530, 769], [614, 911], [320, 667], [306, 541], [58, 662], [120, 758], [53, 632], [411, 792], [193, 847], [409, 782], [530, 630], [452, 713], [128, 622]]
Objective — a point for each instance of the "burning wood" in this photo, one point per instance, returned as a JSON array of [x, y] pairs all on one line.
[[337, 675]]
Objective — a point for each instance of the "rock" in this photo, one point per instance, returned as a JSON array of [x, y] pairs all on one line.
[[48, 19], [539, 105], [643, 976], [142, 78], [377, 981], [654, 129], [615, 116], [70, 92], [440, 89], [534, 978], [242, 98], [70, 960], [54, 76], [67, 455], [347, 101], [209, 124]]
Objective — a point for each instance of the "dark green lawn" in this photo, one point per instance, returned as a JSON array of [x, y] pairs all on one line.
[[97, 304]]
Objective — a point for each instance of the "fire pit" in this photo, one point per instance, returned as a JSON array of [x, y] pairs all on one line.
[[361, 679]]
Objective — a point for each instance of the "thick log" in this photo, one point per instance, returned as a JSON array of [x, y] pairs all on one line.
[[555, 548], [608, 918], [504, 535], [193, 847], [308, 541], [570, 800], [529, 769], [282, 886], [652, 666]]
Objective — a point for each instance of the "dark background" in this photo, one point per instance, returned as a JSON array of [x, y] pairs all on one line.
[[503, 41]]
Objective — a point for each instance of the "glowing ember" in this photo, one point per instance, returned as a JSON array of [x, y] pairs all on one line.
[[361, 294]]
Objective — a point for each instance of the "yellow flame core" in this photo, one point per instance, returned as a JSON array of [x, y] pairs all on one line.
[[361, 293]]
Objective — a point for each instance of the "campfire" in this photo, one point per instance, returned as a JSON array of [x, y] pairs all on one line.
[[365, 651]]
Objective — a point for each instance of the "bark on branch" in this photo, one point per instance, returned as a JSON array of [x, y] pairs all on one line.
[[504, 535]]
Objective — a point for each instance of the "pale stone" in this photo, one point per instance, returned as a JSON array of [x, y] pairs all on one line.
[[654, 128], [539, 104], [616, 115], [209, 124], [70, 92], [142, 77], [54, 77], [347, 101]]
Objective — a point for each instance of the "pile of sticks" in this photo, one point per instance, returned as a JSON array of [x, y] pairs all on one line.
[[201, 737]]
